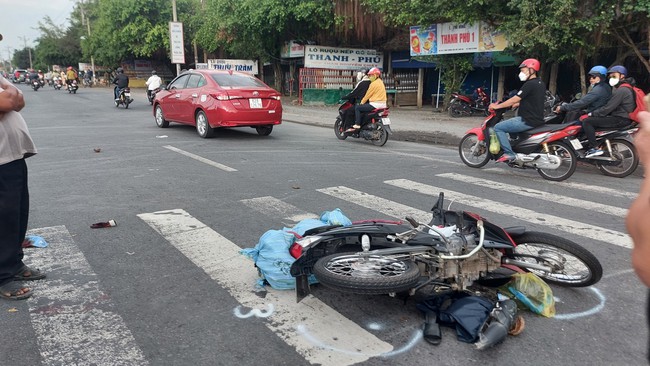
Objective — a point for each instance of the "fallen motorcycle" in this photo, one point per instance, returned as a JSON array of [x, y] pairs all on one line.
[[455, 249], [542, 148], [375, 126]]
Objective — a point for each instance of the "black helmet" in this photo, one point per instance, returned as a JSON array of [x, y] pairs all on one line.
[[153, 72], [119, 70]]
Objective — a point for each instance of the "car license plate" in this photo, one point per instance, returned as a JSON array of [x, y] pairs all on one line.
[[255, 102], [576, 144], [385, 121]]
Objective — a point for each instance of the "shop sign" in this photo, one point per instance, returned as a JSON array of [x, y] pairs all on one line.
[[292, 49], [247, 66], [445, 38], [322, 57]]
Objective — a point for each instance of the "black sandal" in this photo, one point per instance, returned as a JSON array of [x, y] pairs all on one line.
[[12, 291], [34, 274]]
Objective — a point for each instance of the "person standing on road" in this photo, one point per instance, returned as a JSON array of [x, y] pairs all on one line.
[[637, 215], [375, 97], [531, 107], [596, 97], [614, 114], [15, 146]]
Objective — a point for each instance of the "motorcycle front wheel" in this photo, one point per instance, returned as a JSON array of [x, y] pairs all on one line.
[[473, 153], [458, 108], [372, 275], [568, 164], [338, 129], [571, 265], [626, 159]]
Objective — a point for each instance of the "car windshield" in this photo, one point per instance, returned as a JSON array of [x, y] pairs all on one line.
[[236, 80]]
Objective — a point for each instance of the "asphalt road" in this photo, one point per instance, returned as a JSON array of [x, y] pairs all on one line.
[[163, 287]]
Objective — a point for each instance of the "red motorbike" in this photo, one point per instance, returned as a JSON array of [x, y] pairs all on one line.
[[545, 148], [465, 105]]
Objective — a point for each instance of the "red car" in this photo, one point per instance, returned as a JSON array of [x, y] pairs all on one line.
[[210, 99]]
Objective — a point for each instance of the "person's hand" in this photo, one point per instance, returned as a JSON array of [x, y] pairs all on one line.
[[557, 109], [493, 106], [642, 138]]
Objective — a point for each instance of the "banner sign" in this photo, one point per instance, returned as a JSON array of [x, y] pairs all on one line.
[[321, 57], [445, 38], [176, 42], [291, 49], [201, 66], [247, 66], [142, 65]]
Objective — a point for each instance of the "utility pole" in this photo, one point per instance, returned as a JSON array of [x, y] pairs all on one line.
[[9, 57], [28, 50], [84, 18], [175, 19]]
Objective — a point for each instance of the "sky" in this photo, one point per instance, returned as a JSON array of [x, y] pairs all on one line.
[[19, 18]]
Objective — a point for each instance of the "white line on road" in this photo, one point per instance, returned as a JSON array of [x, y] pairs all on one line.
[[400, 211], [200, 158], [273, 207], [529, 192], [72, 317], [220, 259]]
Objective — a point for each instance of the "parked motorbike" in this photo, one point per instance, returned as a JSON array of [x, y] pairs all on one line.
[[465, 105], [151, 95], [375, 125], [620, 158], [35, 84], [454, 250], [541, 148], [72, 87], [124, 98]]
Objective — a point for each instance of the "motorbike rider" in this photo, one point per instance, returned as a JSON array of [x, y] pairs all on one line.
[[120, 81], [598, 95], [355, 96], [530, 98], [70, 75], [153, 83], [88, 76], [375, 97], [615, 113], [33, 75]]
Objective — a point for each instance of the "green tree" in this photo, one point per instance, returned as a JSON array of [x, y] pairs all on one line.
[[20, 60], [56, 45]]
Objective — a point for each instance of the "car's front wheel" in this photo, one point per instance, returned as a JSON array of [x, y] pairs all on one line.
[[160, 118], [203, 128]]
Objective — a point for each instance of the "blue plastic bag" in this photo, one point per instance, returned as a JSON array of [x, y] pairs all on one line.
[[36, 241], [335, 217]]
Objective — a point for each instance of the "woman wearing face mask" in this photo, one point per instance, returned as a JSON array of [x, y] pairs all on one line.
[[596, 97], [531, 108], [614, 114]]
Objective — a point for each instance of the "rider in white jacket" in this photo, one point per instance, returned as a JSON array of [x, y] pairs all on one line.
[[153, 82]]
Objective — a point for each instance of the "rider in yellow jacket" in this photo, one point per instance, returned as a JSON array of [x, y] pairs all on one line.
[[375, 97]]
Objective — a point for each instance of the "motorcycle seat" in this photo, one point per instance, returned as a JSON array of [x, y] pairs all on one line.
[[548, 128]]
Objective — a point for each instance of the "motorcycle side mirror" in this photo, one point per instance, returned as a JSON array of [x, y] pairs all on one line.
[[412, 221], [438, 211]]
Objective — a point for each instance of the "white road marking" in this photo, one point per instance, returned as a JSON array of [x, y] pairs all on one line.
[[220, 259], [72, 317], [576, 185], [529, 192], [400, 211], [273, 207], [200, 158]]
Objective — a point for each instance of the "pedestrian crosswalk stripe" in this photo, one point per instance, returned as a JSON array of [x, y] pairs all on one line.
[[273, 207], [400, 211], [529, 192], [71, 315], [200, 158], [580, 186], [558, 223], [220, 259]]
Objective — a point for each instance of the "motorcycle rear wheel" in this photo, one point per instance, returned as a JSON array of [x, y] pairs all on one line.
[[573, 265], [625, 154], [567, 167], [376, 275], [338, 129], [383, 138], [473, 153]]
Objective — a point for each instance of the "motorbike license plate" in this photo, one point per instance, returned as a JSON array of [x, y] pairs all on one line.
[[255, 102], [577, 145], [127, 94], [385, 121]]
